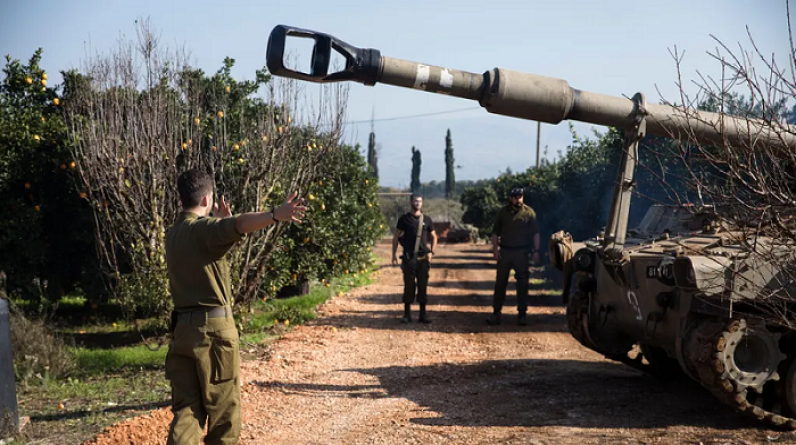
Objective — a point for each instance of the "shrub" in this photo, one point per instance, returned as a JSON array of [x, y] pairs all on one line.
[[39, 354]]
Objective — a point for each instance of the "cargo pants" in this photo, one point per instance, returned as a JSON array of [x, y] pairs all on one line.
[[203, 365], [516, 259], [415, 280]]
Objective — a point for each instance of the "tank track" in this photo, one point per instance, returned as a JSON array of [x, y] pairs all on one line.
[[706, 342]]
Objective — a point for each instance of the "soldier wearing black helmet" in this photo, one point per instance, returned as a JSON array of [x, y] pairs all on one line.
[[516, 236]]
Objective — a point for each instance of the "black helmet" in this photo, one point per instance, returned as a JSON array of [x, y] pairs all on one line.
[[516, 191]]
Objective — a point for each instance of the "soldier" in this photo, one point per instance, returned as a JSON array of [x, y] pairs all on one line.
[[413, 231], [203, 358], [516, 236]]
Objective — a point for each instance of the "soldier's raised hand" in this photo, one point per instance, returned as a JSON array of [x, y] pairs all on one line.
[[221, 209], [290, 210]]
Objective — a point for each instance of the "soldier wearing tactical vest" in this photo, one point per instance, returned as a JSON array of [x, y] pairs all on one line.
[[413, 231], [516, 236], [203, 362]]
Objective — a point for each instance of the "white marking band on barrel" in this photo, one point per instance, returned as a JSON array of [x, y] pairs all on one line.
[[421, 77], [445, 78]]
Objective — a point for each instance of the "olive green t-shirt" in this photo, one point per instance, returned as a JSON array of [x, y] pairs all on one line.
[[199, 275], [516, 227]]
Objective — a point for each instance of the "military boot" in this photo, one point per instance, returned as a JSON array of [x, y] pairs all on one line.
[[494, 319], [521, 319], [407, 316], [423, 318]]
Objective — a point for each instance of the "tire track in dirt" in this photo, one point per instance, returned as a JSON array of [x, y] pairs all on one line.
[[357, 376]]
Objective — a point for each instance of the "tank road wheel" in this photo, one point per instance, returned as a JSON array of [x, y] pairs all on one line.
[[737, 360]]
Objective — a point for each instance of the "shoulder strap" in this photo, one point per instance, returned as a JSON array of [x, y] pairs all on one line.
[[419, 233]]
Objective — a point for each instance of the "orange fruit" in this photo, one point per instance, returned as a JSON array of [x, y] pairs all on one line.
[[236, 147], [327, 285], [220, 114], [311, 197], [37, 208], [44, 76], [56, 101], [83, 195], [36, 137], [265, 138], [241, 161], [28, 80], [27, 185], [323, 206], [287, 322], [63, 166], [72, 164], [44, 82], [227, 88], [214, 148], [61, 406], [196, 120]]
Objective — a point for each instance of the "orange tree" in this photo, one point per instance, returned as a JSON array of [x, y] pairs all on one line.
[[134, 127], [44, 246], [343, 223]]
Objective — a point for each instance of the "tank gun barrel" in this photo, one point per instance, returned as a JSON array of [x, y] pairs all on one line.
[[518, 94]]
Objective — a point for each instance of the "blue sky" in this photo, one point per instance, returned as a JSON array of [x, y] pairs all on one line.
[[610, 47]]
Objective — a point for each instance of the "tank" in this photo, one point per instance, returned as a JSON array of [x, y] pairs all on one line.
[[676, 295]]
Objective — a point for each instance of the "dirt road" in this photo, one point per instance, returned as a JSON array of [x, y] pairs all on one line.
[[358, 376]]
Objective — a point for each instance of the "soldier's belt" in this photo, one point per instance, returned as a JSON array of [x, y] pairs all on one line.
[[216, 312]]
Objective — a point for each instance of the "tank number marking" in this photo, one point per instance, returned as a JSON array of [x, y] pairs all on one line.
[[631, 298]]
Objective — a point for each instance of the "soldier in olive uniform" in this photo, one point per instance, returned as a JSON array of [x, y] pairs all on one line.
[[203, 359], [516, 236]]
